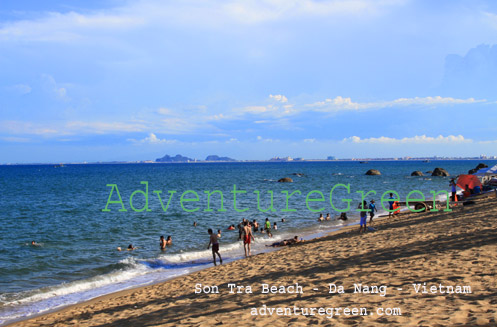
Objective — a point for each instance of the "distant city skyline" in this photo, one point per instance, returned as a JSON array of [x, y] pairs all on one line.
[[134, 80]]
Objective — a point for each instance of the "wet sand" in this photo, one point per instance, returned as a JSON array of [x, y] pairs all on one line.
[[455, 249]]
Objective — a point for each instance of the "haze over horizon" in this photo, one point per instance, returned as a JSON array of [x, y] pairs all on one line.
[[123, 80]]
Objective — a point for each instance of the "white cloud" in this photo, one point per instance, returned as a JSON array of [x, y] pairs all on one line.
[[261, 139], [339, 103], [490, 18], [16, 139], [20, 88], [422, 139], [281, 108], [73, 26], [279, 98], [22, 127], [255, 109], [54, 88], [98, 127], [152, 139]]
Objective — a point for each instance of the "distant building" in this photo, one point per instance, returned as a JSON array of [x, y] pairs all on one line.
[[281, 159]]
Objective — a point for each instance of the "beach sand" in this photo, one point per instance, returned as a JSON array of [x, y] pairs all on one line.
[[453, 249]]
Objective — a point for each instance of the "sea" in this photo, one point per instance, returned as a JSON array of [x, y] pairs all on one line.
[[78, 215]]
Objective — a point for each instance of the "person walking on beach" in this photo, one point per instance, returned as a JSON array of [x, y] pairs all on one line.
[[390, 204], [364, 216], [215, 246], [372, 207], [453, 186], [247, 237]]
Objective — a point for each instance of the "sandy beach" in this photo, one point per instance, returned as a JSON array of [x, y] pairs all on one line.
[[453, 253]]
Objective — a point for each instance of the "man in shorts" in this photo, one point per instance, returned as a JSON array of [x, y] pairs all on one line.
[[215, 246], [247, 237]]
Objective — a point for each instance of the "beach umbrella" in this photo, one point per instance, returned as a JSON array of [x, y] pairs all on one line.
[[470, 180]]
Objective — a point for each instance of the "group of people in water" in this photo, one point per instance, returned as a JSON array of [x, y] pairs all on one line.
[[246, 230]]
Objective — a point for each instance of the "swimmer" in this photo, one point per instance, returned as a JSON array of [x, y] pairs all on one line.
[[321, 218], [328, 217], [162, 243], [131, 247], [169, 240], [256, 225]]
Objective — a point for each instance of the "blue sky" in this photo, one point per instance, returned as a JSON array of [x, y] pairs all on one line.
[[134, 80]]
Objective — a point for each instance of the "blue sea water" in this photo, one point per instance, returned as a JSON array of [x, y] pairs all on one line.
[[77, 259]]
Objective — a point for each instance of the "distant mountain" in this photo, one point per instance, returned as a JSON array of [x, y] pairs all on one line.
[[218, 158], [177, 158]]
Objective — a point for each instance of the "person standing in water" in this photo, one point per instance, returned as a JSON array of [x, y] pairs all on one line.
[[268, 227], [162, 243], [247, 237], [215, 246]]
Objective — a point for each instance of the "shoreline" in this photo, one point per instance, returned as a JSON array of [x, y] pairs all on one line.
[[175, 288], [308, 234]]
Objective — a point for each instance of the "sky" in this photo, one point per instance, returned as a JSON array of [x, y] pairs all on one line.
[[135, 80]]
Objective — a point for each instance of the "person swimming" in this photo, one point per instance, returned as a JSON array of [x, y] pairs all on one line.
[[169, 240]]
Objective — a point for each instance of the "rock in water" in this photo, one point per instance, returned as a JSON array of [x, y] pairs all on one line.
[[440, 172], [474, 170], [417, 173], [373, 172], [285, 180], [481, 165]]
